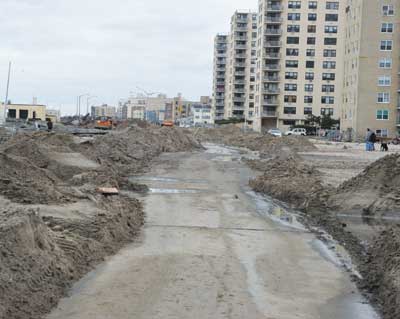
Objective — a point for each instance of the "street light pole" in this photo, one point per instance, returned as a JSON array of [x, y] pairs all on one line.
[[87, 102], [79, 106], [7, 88]]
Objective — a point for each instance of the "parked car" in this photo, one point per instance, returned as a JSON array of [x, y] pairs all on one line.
[[275, 132], [297, 131]]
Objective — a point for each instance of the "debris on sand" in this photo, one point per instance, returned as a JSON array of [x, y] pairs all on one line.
[[54, 225]]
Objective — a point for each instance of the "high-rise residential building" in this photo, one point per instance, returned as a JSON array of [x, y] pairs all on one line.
[[240, 70], [299, 62], [220, 55], [371, 68]]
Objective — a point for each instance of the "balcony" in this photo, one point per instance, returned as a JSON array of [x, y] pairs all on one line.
[[220, 69], [240, 73], [239, 99], [241, 29], [273, 55], [240, 82], [269, 31], [271, 79], [274, 8], [241, 38], [273, 20], [273, 44], [240, 65], [274, 91], [272, 67], [241, 55], [241, 47], [269, 114], [241, 91], [270, 102]]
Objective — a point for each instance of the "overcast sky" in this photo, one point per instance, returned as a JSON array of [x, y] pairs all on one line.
[[63, 48]]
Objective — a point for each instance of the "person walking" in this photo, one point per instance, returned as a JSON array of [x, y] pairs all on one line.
[[372, 140], [49, 125], [367, 140]]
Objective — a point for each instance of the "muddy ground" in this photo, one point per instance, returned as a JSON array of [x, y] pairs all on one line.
[[54, 225], [350, 193]]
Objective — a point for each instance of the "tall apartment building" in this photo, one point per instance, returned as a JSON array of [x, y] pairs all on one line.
[[299, 61], [371, 68], [220, 55], [240, 69]]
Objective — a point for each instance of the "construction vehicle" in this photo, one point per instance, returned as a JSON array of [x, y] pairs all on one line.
[[104, 123], [167, 123]]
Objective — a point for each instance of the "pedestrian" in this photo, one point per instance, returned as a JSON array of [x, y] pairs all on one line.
[[367, 140], [49, 125], [372, 140]]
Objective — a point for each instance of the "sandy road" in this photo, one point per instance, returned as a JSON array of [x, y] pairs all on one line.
[[207, 252]]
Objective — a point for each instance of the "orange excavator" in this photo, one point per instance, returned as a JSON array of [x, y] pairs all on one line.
[[167, 123], [104, 123]]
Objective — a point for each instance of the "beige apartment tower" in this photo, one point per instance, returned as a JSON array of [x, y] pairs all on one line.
[[220, 57], [371, 68], [240, 70], [299, 62]]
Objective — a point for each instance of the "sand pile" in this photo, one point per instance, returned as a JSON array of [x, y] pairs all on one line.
[[41, 257], [382, 271], [268, 145], [374, 191], [289, 180]]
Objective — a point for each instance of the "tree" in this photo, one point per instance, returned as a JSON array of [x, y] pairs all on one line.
[[327, 122]]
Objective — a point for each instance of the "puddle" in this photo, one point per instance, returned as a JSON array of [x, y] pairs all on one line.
[[266, 207], [165, 180], [173, 191], [229, 154]]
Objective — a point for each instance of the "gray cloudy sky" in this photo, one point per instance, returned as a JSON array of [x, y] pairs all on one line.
[[63, 48]]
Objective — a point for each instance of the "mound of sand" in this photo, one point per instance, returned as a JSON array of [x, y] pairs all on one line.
[[374, 191]]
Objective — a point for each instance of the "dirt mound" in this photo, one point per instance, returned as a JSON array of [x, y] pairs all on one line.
[[374, 191], [42, 257], [382, 271], [268, 145], [285, 179]]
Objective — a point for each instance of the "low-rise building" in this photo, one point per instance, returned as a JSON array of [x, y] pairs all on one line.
[[202, 114], [103, 111], [26, 111], [53, 115]]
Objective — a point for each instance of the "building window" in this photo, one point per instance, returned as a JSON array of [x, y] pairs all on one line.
[[294, 5], [310, 64], [331, 29], [308, 99], [327, 99], [290, 98], [312, 17], [332, 5], [387, 27], [292, 64], [329, 53], [308, 111], [385, 80], [329, 65], [291, 75], [292, 52], [331, 17], [311, 40], [294, 16], [312, 29], [292, 40], [309, 76], [327, 111], [383, 97], [310, 52], [289, 110], [382, 133], [312, 4], [293, 28], [330, 41], [328, 76], [289, 122], [328, 88], [290, 87], [386, 45], [382, 114], [385, 63], [388, 10], [308, 87]]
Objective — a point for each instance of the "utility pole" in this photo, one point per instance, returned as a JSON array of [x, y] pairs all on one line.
[[7, 88]]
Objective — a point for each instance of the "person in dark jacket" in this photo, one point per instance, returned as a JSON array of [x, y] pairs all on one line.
[[49, 125]]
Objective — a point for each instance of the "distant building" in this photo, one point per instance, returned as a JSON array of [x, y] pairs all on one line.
[[103, 111], [26, 111], [202, 114], [53, 115]]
